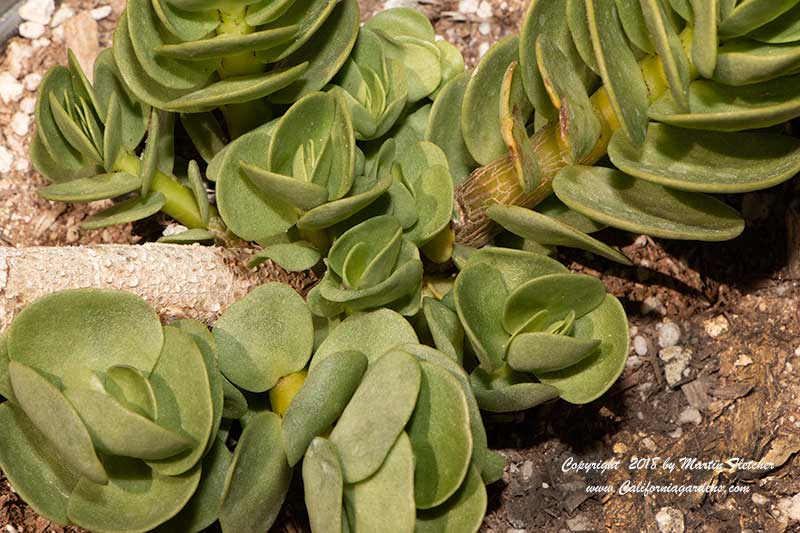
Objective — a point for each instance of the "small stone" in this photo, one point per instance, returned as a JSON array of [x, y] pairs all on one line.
[[482, 49], [17, 54], [759, 499], [545, 485], [99, 13], [677, 360], [64, 12], [173, 229], [484, 10], [716, 326], [485, 28], [41, 42], [10, 89], [743, 360], [678, 433], [580, 522], [38, 11], [20, 123], [690, 415], [32, 81], [794, 510], [6, 159], [649, 444], [28, 105], [514, 530], [668, 334], [652, 304], [31, 30], [640, 345], [670, 520], [468, 6], [526, 470], [620, 448]]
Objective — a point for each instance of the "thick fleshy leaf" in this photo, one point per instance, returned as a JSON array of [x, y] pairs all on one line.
[[516, 266], [295, 192], [376, 414], [558, 294], [488, 463], [112, 134], [480, 293], [131, 387], [292, 256], [235, 404], [53, 415], [545, 352], [385, 501], [190, 236], [744, 62], [364, 192], [670, 50], [130, 334], [225, 44], [309, 16], [202, 510], [325, 53], [548, 231], [554, 208], [263, 11], [463, 512], [264, 337], [440, 436], [509, 394], [182, 387], [633, 22], [6, 391], [715, 162], [319, 402], [323, 486], [705, 41], [198, 190], [73, 132], [118, 430], [205, 132], [445, 328], [186, 25], [372, 333], [784, 29], [402, 21], [640, 206], [579, 31], [751, 14], [33, 466], [258, 478], [61, 170], [720, 107], [133, 113], [136, 208], [619, 69], [514, 108], [445, 134], [433, 192], [236, 90], [98, 187], [480, 117], [56, 82], [136, 498], [579, 125], [592, 377]]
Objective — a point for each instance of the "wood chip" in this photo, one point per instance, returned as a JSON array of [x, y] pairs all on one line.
[[732, 391], [696, 393]]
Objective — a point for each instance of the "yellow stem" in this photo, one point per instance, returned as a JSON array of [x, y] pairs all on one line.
[[282, 394]]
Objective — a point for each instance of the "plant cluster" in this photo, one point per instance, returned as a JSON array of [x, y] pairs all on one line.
[[367, 153]]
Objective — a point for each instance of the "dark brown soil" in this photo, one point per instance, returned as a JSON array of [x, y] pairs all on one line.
[[735, 304]]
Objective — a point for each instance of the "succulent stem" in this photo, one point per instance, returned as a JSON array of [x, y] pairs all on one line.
[[497, 182], [180, 203]]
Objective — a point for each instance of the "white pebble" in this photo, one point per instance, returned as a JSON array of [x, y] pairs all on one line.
[[20, 123], [690, 415], [31, 30], [42, 42], [17, 54], [32, 81], [468, 6], [485, 10], [10, 89], [99, 13], [640, 345], [64, 12], [716, 326], [6, 159], [37, 10], [759, 499], [23, 165], [670, 520], [651, 304], [28, 105], [580, 523], [668, 334], [743, 360], [483, 48], [173, 229], [485, 28]]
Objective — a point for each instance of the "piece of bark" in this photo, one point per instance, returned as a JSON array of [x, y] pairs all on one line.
[[178, 281]]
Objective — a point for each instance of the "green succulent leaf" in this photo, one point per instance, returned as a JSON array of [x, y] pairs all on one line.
[[323, 486], [376, 415], [545, 352], [293, 257], [445, 328], [130, 387], [744, 62], [90, 189], [321, 400], [264, 337], [205, 132], [705, 40], [385, 501], [703, 161], [258, 477], [463, 512], [640, 206], [783, 29], [632, 18], [136, 208], [440, 436], [751, 14], [509, 393]]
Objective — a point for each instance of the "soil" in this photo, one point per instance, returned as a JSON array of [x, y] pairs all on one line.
[[727, 385]]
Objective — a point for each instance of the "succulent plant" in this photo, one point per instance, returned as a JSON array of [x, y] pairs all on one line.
[[115, 422], [687, 99]]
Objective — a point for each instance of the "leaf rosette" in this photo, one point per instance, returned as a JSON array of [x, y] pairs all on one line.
[[538, 331], [370, 265]]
